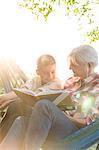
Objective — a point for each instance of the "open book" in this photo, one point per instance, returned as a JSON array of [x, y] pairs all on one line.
[[58, 97]]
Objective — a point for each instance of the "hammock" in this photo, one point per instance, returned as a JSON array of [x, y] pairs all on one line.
[[10, 75], [83, 138]]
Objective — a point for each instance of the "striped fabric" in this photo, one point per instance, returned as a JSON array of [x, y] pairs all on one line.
[[91, 83], [86, 95]]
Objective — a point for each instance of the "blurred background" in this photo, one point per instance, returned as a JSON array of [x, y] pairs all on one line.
[[24, 38]]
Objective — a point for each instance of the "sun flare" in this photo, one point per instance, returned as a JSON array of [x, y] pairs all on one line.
[[24, 39]]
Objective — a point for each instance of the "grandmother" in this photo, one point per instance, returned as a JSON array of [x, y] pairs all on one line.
[[48, 125]]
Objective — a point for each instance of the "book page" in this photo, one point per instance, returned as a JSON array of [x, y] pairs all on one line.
[[29, 97], [26, 91], [59, 97]]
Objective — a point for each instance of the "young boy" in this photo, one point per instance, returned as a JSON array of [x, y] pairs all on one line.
[[45, 80]]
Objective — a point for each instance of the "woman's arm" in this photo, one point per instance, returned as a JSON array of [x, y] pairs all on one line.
[[78, 121]]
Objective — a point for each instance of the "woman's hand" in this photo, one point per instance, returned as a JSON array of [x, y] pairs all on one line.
[[78, 121]]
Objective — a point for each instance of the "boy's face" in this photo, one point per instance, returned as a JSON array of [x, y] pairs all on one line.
[[47, 73]]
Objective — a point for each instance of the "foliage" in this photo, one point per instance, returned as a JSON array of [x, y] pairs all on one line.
[[93, 35], [82, 10]]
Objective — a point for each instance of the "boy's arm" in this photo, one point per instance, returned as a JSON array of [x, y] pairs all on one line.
[[6, 99], [56, 84]]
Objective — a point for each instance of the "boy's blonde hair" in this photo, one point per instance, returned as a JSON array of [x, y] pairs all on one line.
[[45, 60]]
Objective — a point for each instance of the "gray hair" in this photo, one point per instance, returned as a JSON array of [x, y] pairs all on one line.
[[84, 54], [45, 60]]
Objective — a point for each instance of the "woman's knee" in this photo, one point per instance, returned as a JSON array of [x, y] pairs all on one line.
[[45, 107]]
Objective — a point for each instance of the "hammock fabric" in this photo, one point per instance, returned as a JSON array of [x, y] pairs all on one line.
[[10, 75]]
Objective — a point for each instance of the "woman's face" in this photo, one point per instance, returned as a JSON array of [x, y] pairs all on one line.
[[82, 69]]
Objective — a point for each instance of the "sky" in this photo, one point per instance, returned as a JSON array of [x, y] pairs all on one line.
[[24, 38]]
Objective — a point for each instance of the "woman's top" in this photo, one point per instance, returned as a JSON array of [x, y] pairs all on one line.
[[85, 95]]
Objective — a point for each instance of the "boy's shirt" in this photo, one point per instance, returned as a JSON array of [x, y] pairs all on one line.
[[36, 86]]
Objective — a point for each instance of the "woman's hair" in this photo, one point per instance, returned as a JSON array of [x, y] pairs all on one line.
[[45, 60], [84, 54]]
